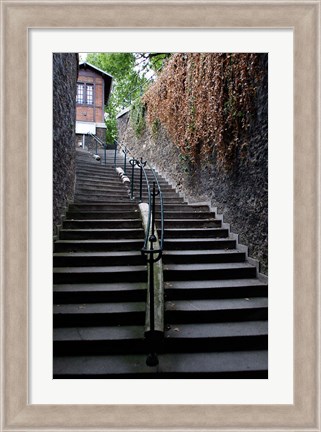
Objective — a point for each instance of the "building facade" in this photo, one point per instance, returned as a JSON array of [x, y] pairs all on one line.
[[93, 90]]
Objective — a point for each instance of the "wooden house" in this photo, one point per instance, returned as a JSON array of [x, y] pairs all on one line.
[[93, 90]]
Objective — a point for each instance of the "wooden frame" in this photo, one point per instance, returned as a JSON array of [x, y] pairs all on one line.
[[304, 18]]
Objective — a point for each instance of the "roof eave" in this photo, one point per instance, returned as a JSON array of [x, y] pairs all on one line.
[[96, 68]]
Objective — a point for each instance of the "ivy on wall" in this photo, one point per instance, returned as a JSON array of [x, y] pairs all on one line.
[[206, 102], [137, 117]]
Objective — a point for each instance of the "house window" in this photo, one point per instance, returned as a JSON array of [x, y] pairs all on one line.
[[90, 94], [85, 94], [80, 93]]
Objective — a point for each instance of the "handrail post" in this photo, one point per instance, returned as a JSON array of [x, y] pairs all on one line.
[[152, 240], [141, 180], [141, 164], [105, 155], [132, 163], [125, 151], [152, 251], [115, 155], [96, 146], [152, 359]]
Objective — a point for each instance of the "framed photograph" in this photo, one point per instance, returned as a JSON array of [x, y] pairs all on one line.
[[290, 398]]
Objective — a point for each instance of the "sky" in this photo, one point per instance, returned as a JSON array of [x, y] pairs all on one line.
[[82, 56]]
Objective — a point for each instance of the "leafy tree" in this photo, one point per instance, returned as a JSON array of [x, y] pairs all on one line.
[[150, 63], [131, 74], [125, 78]]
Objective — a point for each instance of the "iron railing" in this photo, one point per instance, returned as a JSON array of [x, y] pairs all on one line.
[[156, 191], [153, 246], [101, 143]]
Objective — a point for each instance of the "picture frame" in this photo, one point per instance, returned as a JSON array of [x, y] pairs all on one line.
[[19, 16]]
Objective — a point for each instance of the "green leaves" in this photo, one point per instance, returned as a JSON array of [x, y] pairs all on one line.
[[126, 80], [131, 73], [137, 117]]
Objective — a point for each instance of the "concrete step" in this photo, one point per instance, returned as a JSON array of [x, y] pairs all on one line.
[[109, 183], [202, 256], [215, 289], [96, 171], [111, 174], [99, 181], [104, 186], [104, 214], [99, 340], [97, 245], [99, 166], [107, 196], [165, 187], [188, 213], [190, 233], [231, 336], [199, 244], [185, 208], [162, 183], [93, 293], [132, 212], [182, 207], [136, 223], [86, 234], [116, 182], [110, 198], [205, 337], [95, 314], [191, 223], [103, 197], [167, 197], [219, 365], [100, 207], [79, 259], [102, 274], [109, 179], [216, 310], [102, 223], [101, 190], [173, 272]]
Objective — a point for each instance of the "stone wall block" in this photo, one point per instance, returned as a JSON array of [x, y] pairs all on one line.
[[65, 72]]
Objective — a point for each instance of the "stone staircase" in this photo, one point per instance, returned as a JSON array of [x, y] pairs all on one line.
[[216, 307]]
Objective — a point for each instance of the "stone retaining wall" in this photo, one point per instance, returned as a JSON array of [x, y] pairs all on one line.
[[65, 72]]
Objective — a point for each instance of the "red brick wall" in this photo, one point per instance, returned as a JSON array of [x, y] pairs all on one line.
[[95, 112]]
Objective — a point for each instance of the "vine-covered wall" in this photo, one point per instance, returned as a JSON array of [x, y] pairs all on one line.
[[206, 103], [65, 71], [206, 129]]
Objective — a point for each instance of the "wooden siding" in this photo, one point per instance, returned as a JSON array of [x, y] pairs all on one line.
[[95, 111]]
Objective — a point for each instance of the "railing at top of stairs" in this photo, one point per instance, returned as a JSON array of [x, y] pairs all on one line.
[[100, 142]]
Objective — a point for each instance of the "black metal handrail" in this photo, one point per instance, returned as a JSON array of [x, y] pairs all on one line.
[[142, 164], [99, 141], [152, 254], [151, 218]]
